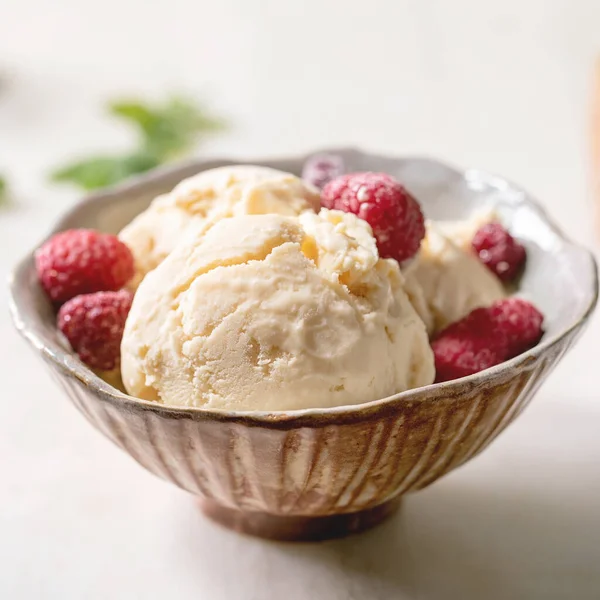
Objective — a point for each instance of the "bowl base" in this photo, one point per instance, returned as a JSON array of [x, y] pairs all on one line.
[[298, 528]]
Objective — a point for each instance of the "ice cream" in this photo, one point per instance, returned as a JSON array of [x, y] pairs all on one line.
[[446, 281], [202, 200], [462, 231], [275, 313]]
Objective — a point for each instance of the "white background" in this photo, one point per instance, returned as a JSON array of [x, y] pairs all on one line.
[[500, 85]]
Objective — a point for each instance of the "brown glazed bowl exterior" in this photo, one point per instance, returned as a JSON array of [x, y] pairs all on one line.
[[319, 473]]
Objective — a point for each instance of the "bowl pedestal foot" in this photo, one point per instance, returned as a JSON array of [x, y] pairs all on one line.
[[298, 528]]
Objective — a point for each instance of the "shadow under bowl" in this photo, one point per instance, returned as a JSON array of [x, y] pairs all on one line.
[[318, 473]]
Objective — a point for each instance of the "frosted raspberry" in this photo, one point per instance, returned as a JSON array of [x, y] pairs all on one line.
[[458, 357], [486, 337], [93, 324], [81, 261], [519, 321], [394, 215], [320, 169], [499, 251]]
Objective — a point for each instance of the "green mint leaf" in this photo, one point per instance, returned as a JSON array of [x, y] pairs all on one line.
[[103, 171], [136, 112], [3, 191], [171, 129], [166, 131]]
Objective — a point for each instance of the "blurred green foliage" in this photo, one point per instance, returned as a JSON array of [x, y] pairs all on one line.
[[165, 132], [102, 171], [3, 191]]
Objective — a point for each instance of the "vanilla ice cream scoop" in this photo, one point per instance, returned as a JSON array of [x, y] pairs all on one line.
[[197, 203], [445, 282], [462, 232], [275, 313]]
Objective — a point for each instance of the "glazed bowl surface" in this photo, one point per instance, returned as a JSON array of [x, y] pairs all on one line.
[[318, 473]]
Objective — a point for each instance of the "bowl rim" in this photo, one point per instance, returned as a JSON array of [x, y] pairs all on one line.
[[72, 367]]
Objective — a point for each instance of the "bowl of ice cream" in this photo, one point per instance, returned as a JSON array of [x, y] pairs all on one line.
[[294, 361]]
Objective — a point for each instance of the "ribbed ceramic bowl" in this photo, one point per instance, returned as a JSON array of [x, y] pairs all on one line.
[[319, 473]]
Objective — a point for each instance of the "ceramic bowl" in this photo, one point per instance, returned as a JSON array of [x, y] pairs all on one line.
[[319, 473]]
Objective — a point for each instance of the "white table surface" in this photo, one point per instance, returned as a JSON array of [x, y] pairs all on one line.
[[499, 85]]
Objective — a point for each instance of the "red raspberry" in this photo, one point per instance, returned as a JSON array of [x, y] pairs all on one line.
[[81, 261], [486, 337], [458, 357], [320, 169], [394, 215], [499, 251], [519, 321], [93, 324]]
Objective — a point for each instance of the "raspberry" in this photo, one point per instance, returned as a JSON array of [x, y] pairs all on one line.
[[81, 261], [320, 169], [93, 324], [458, 357], [486, 337], [499, 251], [519, 321], [394, 215]]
